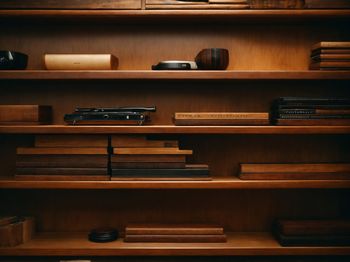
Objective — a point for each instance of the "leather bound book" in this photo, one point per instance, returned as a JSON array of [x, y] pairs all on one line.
[[338, 65], [132, 165], [176, 238], [294, 176], [62, 177], [313, 240], [60, 151], [331, 45], [140, 141], [313, 227], [80, 62], [331, 58], [151, 151], [71, 141], [313, 122], [327, 4], [296, 168], [164, 229], [25, 114], [60, 171], [148, 158], [86, 161]]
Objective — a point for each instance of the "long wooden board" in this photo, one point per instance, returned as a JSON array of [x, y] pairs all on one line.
[[148, 158], [62, 178], [165, 229], [296, 168], [140, 141], [60, 151], [60, 171], [294, 176], [71, 141], [147, 165], [176, 238]]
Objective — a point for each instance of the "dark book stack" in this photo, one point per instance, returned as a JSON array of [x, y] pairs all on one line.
[[313, 232], [327, 4], [324, 111], [138, 158], [15, 230], [330, 56], [175, 234], [64, 157], [319, 171]]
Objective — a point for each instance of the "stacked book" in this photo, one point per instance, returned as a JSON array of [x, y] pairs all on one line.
[[138, 158], [220, 119], [327, 4], [324, 171], [64, 157], [311, 111], [25, 114], [330, 56], [313, 232], [175, 233]]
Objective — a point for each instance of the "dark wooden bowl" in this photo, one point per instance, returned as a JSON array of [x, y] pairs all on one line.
[[212, 59], [10, 60]]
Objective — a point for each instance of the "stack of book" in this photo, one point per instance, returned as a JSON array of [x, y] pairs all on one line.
[[175, 233], [220, 119], [15, 230], [311, 111], [64, 157], [324, 171], [25, 114], [138, 158], [313, 232], [327, 4], [330, 56]]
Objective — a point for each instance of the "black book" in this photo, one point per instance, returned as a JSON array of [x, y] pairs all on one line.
[[313, 240], [297, 106], [313, 100], [309, 116]]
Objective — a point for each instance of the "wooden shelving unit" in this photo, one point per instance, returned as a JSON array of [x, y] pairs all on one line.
[[217, 183], [250, 75], [171, 129], [238, 244]]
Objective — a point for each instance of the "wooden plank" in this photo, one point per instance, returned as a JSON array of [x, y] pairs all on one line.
[[173, 229], [60, 151], [176, 238], [140, 141], [71, 141], [36, 178], [294, 176], [143, 165], [151, 151], [197, 6], [71, 4], [60, 171], [296, 168], [148, 159], [238, 244]]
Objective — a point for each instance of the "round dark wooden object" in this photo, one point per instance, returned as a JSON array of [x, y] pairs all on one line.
[[212, 59]]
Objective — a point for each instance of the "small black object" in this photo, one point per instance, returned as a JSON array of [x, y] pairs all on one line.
[[172, 66], [116, 109], [103, 235], [10, 60]]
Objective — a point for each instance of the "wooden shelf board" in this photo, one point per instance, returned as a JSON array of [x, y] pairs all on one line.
[[238, 244], [197, 15], [217, 183], [173, 75], [171, 129]]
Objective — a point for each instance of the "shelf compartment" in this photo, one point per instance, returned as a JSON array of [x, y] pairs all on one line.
[[170, 129], [173, 75], [238, 244], [194, 15], [216, 183]]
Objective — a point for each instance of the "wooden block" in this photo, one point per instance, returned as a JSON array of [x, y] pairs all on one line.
[[60, 171], [140, 141], [313, 122], [25, 113], [71, 141], [313, 227], [148, 158], [296, 168], [294, 176], [11, 235], [80, 62], [132, 165], [221, 122], [331, 45], [28, 229], [62, 177], [176, 238], [86, 161], [71, 4], [151, 151], [6, 220], [60, 151], [164, 229]]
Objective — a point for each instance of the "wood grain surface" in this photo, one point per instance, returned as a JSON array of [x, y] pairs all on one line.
[[71, 141], [61, 151]]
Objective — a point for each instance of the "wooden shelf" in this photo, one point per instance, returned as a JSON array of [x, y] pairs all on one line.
[[246, 16], [173, 75], [218, 183], [170, 129], [238, 244]]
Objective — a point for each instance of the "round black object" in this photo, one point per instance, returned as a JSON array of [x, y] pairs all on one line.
[[102, 235], [10, 60]]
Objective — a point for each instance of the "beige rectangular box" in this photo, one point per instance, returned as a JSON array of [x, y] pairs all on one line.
[[80, 62]]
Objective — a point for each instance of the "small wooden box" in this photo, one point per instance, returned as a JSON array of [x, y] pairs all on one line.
[[25, 114], [11, 234], [80, 62]]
